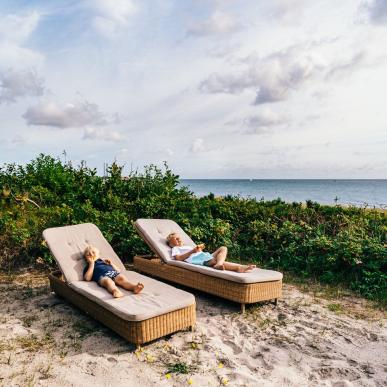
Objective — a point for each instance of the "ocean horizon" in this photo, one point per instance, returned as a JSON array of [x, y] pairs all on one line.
[[356, 192]]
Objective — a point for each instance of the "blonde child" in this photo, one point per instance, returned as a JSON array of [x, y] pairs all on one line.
[[196, 255], [106, 274]]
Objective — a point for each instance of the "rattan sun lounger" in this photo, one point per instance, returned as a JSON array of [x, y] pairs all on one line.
[[244, 288], [159, 310]]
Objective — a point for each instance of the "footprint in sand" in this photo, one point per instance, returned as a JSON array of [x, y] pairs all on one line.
[[352, 362], [342, 383], [338, 373], [235, 348], [367, 369]]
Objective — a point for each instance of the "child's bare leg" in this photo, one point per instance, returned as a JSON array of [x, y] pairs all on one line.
[[111, 287], [238, 268], [219, 257], [122, 281]]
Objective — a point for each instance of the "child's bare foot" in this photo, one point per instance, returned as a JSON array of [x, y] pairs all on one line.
[[117, 293], [137, 288], [219, 267], [246, 268]]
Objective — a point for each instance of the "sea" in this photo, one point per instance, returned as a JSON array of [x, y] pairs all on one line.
[[360, 193]]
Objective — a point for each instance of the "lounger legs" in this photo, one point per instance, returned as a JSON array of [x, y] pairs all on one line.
[[276, 301], [243, 308]]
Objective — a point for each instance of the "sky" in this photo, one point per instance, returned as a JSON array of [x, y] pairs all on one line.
[[216, 88]]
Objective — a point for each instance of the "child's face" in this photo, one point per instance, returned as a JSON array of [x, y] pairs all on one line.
[[92, 255], [175, 240]]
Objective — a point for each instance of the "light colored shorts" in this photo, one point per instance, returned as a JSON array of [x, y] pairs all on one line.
[[202, 259]]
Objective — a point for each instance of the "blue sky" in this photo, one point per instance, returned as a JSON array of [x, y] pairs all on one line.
[[217, 88]]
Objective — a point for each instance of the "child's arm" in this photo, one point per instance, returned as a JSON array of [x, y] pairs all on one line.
[[89, 273], [109, 262], [183, 257]]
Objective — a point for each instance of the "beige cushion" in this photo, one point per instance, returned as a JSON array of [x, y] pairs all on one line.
[[157, 298], [68, 243], [154, 233], [254, 276]]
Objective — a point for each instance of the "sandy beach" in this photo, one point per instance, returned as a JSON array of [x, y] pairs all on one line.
[[309, 339]]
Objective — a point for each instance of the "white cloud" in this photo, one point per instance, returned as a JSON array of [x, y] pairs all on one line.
[[198, 146], [111, 16], [218, 23], [289, 11], [262, 122], [277, 75], [16, 84], [228, 83], [104, 135], [375, 10], [346, 66], [72, 115], [15, 30], [274, 76]]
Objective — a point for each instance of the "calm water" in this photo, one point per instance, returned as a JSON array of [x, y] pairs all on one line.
[[355, 192]]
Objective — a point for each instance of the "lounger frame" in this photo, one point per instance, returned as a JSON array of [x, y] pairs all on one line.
[[243, 293], [136, 332]]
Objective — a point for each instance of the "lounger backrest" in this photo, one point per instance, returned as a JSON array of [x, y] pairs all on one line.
[[68, 243], [155, 231]]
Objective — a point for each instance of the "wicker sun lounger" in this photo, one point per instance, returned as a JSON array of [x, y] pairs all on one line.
[[159, 310], [244, 288]]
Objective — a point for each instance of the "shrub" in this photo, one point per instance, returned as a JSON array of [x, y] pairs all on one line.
[[331, 243]]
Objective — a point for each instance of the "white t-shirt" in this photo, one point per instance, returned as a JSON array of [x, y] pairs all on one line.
[[179, 250]]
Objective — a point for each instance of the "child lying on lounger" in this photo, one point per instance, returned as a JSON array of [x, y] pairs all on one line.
[[197, 256], [106, 274]]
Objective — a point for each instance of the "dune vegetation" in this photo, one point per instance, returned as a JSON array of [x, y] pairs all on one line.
[[333, 244]]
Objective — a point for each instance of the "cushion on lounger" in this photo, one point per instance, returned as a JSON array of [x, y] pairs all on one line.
[[68, 243], [253, 276], [156, 299], [155, 232]]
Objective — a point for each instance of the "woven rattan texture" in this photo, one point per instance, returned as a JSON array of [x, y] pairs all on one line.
[[137, 332], [234, 291]]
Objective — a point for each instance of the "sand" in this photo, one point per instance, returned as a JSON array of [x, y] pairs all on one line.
[[307, 340]]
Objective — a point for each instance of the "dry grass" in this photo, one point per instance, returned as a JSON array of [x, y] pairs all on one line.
[[33, 343], [345, 301]]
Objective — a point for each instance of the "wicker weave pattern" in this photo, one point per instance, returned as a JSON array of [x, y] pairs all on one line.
[[238, 292], [137, 332]]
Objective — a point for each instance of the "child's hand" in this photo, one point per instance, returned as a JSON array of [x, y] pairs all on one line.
[[108, 261], [198, 248], [89, 259]]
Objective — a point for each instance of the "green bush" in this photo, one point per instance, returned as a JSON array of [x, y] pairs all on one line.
[[331, 243]]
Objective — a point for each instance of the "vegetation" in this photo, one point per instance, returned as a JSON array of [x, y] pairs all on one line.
[[178, 368], [331, 243]]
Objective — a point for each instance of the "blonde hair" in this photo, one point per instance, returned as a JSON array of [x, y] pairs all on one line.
[[89, 250], [170, 236]]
